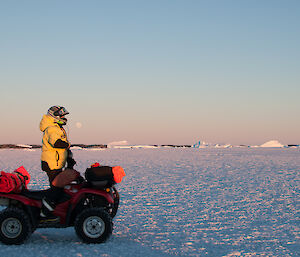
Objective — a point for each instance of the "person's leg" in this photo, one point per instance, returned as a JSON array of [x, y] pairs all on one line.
[[52, 195]]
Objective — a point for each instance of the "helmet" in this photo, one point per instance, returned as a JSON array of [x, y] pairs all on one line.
[[58, 113]]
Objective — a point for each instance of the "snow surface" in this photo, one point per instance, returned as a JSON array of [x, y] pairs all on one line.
[[183, 202]]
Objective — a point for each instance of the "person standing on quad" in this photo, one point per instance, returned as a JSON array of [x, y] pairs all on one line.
[[55, 154]]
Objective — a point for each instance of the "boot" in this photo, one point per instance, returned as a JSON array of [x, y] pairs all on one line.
[[48, 207], [49, 204]]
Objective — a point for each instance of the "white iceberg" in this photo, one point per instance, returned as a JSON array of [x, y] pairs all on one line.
[[24, 146], [76, 148], [201, 144], [272, 143], [118, 144]]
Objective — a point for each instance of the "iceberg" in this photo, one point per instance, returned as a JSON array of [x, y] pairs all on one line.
[[272, 143], [118, 144]]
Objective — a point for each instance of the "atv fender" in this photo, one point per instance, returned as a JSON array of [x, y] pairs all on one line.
[[82, 195], [83, 192], [6, 200]]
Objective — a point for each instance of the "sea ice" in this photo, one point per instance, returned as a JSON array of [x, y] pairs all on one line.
[[183, 202]]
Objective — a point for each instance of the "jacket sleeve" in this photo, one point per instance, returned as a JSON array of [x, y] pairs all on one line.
[[56, 138], [61, 144]]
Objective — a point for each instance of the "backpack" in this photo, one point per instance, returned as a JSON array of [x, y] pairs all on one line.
[[100, 176]]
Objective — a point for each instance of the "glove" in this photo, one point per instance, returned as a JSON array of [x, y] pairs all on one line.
[[70, 154], [80, 179], [70, 163]]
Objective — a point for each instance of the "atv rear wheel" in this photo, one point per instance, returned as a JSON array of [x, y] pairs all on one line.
[[15, 226], [93, 225]]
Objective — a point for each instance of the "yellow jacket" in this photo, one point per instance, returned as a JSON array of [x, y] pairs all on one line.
[[55, 157]]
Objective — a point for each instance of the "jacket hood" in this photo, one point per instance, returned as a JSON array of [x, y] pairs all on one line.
[[47, 121]]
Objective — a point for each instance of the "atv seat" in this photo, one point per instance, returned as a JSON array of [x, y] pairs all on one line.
[[40, 194]]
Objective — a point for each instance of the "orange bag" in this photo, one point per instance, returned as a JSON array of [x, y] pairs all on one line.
[[119, 173], [65, 177]]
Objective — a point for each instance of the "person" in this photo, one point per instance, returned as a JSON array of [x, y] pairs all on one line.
[[55, 155]]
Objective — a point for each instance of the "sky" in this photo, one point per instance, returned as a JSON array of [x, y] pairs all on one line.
[[152, 72]]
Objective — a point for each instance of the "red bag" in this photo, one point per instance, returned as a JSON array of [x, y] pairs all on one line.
[[14, 182]]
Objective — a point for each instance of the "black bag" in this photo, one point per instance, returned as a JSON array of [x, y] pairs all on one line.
[[100, 176]]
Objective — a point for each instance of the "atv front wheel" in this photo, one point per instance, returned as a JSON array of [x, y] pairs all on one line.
[[15, 226], [93, 225]]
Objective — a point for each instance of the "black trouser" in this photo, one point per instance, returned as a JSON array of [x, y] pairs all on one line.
[[54, 193]]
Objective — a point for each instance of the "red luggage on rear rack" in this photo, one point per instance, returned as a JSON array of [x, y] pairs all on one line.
[[14, 182]]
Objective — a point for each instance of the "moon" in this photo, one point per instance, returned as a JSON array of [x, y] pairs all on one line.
[[78, 125]]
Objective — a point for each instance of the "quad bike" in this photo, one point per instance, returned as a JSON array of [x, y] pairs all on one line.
[[89, 207]]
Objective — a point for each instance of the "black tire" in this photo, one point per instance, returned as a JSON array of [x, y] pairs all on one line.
[[116, 203], [15, 226], [93, 225]]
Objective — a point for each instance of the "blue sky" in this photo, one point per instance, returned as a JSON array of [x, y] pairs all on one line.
[[152, 72]]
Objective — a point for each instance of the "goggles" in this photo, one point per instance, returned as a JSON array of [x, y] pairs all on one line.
[[61, 112]]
